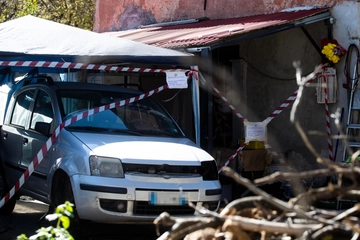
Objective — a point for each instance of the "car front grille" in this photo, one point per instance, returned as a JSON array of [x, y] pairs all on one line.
[[144, 208], [207, 169], [156, 169]]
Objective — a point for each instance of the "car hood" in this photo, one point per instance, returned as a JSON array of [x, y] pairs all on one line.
[[144, 149]]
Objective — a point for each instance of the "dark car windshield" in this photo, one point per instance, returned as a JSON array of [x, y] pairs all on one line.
[[144, 117]]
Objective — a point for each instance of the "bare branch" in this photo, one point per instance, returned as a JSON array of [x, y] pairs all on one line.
[[271, 217]]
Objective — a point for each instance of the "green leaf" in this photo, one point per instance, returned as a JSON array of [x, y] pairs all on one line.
[[52, 233], [22, 237], [65, 221], [77, 13]]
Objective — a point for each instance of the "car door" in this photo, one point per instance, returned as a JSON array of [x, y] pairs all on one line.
[[12, 134], [34, 139]]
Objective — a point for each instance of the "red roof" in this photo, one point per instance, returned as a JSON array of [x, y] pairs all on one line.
[[211, 31]]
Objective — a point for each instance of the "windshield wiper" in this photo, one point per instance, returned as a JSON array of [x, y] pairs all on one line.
[[87, 128], [100, 129], [126, 131], [158, 133]]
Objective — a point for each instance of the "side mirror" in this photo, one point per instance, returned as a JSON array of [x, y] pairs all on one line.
[[43, 128]]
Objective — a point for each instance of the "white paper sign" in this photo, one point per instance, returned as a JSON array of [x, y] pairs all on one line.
[[255, 131], [176, 79]]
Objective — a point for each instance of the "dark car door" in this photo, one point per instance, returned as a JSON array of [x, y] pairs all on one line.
[[12, 134], [34, 139]]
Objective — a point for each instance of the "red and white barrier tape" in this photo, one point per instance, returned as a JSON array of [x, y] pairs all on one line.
[[45, 148], [230, 105], [328, 128], [234, 155], [275, 113], [285, 104], [72, 65]]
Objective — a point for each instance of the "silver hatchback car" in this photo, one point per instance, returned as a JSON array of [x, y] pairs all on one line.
[[125, 164]]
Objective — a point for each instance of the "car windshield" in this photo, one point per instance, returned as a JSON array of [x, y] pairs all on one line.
[[143, 117]]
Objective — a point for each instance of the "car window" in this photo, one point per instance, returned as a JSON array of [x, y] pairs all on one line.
[[43, 110], [145, 117], [79, 100], [21, 109]]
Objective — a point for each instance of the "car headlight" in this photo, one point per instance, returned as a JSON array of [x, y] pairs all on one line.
[[106, 167], [209, 171]]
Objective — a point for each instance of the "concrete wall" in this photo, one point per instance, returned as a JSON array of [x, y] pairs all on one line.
[[271, 80], [117, 15], [274, 56]]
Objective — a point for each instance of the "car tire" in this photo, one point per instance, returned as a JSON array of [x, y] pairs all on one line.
[[62, 192], [10, 204]]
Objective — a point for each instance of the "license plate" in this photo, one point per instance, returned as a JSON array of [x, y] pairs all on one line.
[[167, 198]]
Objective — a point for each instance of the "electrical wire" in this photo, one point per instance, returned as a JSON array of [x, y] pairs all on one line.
[[171, 98], [268, 76]]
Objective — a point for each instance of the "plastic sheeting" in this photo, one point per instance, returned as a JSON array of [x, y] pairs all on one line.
[[30, 37]]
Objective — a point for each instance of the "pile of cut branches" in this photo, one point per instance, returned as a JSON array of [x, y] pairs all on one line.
[[264, 216]]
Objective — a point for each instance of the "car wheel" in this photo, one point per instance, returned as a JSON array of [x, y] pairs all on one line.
[[10, 204], [62, 192]]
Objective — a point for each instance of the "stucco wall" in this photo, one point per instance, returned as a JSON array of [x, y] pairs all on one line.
[[116, 15]]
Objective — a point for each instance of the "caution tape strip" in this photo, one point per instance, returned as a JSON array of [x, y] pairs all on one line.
[[229, 104], [328, 127], [73, 65], [275, 113]]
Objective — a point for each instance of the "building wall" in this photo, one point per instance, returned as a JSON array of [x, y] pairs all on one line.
[[273, 55], [118, 15], [270, 81]]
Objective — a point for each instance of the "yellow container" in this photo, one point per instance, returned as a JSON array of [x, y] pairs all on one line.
[[253, 145]]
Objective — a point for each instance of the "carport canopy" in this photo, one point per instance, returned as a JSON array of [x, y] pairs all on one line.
[[32, 38]]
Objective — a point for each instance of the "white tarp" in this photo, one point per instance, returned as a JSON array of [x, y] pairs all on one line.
[[32, 36]]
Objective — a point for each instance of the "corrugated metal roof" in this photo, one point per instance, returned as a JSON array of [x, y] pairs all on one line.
[[208, 32]]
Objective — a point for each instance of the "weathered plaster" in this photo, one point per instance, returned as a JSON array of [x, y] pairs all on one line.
[[115, 15]]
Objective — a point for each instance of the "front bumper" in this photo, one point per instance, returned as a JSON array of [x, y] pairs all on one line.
[[140, 199]]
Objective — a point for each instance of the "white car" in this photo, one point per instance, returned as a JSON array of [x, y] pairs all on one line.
[[126, 164]]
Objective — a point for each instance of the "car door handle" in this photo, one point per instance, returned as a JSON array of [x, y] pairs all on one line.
[[25, 141], [5, 135]]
